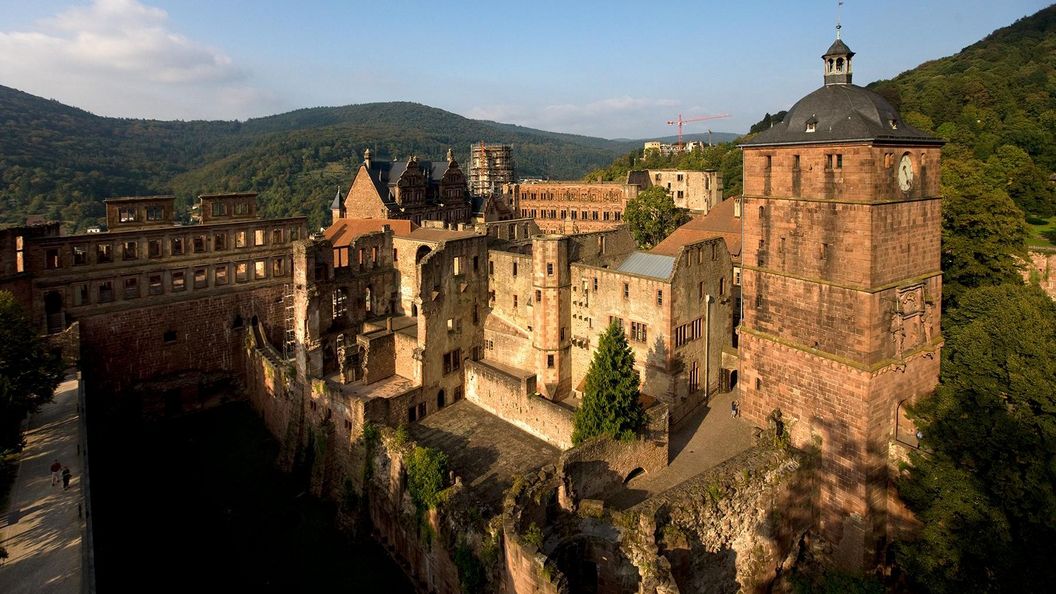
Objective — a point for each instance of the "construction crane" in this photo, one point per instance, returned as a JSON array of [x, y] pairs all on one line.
[[679, 122]]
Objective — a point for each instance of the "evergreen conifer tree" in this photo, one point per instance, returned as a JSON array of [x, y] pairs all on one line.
[[610, 400]]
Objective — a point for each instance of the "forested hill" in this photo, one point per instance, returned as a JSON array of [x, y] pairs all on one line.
[[995, 103], [61, 162]]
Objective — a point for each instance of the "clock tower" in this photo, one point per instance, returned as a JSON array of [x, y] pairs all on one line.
[[841, 289]]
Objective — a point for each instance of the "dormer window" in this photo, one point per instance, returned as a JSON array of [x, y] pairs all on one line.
[[894, 123], [812, 124]]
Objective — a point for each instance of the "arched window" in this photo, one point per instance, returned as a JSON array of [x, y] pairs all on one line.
[[368, 301], [839, 64]]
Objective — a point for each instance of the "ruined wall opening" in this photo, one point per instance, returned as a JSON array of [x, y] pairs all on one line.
[[422, 252], [637, 472], [53, 311]]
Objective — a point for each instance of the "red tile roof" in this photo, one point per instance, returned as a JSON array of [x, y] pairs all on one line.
[[719, 222], [344, 231]]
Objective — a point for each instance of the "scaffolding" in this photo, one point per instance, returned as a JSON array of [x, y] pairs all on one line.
[[490, 166]]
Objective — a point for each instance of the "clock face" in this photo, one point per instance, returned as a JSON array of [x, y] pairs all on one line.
[[905, 173]]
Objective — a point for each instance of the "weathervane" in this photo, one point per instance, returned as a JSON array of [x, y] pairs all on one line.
[[839, 7]]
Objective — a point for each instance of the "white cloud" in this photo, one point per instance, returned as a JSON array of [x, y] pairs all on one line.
[[119, 57], [613, 117]]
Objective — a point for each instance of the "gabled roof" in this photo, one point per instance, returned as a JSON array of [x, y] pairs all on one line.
[[718, 223], [345, 231], [646, 264]]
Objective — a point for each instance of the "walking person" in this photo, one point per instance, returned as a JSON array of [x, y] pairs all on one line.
[[66, 476], [55, 468]]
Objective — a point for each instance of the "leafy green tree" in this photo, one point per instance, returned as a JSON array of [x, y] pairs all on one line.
[[611, 405], [29, 372], [652, 215], [983, 232], [1030, 190], [984, 486], [426, 476]]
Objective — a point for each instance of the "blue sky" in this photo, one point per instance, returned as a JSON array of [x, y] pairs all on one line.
[[611, 69]]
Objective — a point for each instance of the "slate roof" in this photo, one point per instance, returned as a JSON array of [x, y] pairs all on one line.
[[843, 113], [638, 178], [646, 264], [338, 201], [839, 47]]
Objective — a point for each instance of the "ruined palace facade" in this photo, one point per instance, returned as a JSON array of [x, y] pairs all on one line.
[[842, 290], [696, 191], [572, 207], [414, 190], [179, 297]]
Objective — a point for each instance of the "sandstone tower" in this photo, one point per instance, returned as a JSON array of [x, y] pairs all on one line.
[[551, 315], [841, 291]]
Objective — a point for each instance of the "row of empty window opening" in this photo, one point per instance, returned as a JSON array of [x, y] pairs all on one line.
[[177, 246], [178, 280], [574, 214]]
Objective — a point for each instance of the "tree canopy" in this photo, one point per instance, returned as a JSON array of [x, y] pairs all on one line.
[[611, 404], [29, 372], [61, 162], [983, 235], [652, 215], [984, 487]]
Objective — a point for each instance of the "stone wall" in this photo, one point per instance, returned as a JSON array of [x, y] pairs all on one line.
[[1041, 269], [600, 467], [513, 398], [194, 337], [729, 529]]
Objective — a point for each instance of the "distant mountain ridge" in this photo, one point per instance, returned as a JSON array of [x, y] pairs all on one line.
[[61, 162]]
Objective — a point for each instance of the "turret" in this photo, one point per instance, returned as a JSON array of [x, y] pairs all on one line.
[[551, 315]]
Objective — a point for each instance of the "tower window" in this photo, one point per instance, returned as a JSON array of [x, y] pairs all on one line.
[[550, 361]]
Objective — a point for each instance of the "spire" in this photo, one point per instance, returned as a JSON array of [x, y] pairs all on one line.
[[366, 158], [837, 60], [839, 9], [450, 155]]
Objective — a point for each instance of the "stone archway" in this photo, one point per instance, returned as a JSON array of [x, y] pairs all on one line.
[[637, 472]]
